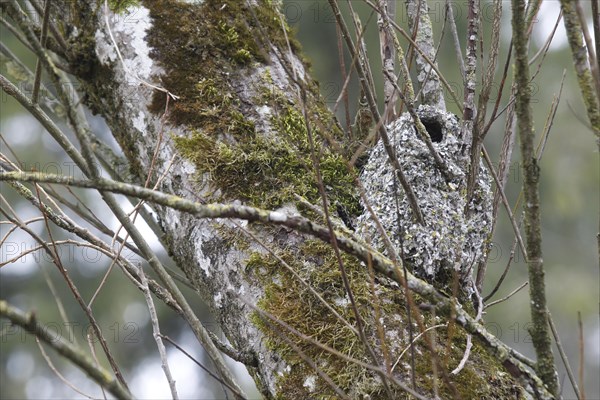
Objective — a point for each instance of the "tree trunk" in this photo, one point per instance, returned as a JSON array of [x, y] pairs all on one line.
[[237, 133]]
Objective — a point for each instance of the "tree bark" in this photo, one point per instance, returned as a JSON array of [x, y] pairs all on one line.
[[234, 130]]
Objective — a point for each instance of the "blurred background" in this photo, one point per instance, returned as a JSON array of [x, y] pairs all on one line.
[[569, 197]]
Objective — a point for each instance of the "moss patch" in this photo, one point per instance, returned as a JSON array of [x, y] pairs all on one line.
[[207, 45], [206, 51], [120, 6], [290, 302]]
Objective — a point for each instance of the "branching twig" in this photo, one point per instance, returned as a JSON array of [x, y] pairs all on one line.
[[31, 325], [156, 332]]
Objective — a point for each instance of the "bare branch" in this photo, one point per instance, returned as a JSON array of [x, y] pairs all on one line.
[[75, 355]]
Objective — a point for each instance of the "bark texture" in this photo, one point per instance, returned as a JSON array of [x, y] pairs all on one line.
[[237, 133]]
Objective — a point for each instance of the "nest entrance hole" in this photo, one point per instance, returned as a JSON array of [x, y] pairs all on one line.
[[434, 129]]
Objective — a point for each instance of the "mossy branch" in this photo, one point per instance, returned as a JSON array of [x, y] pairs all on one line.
[[582, 68], [443, 305], [540, 333]]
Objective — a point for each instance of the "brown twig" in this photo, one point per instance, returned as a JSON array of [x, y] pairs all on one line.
[[73, 354], [581, 356], [563, 356], [38, 65], [508, 296]]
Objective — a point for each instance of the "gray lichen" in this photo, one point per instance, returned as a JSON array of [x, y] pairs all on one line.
[[451, 239]]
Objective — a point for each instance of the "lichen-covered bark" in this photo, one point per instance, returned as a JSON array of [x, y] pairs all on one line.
[[420, 24], [237, 133]]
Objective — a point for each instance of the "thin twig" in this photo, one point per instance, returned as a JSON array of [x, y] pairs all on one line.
[[57, 372], [156, 333], [499, 185], [455, 40], [414, 341], [92, 347], [504, 273], [65, 349], [38, 65], [469, 344], [208, 371], [584, 75], [123, 64], [507, 296], [563, 356], [589, 44], [581, 356]]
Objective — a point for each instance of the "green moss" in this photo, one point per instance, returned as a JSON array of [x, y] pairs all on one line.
[[213, 39], [204, 50], [482, 377], [262, 171], [120, 6], [290, 302]]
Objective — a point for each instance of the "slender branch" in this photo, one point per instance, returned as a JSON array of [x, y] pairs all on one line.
[[508, 296], [484, 96], [469, 109], [584, 75], [455, 40], [581, 14], [563, 356], [414, 341], [156, 333], [581, 355], [388, 55], [511, 217], [38, 65], [65, 349], [57, 372], [540, 331], [502, 174], [596, 25], [504, 273], [208, 371]]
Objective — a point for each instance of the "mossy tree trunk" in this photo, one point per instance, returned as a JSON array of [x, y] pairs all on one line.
[[237, 132]]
